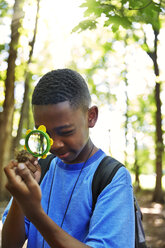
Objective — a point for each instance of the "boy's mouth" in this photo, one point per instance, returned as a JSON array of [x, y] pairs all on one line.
[[63, 156]]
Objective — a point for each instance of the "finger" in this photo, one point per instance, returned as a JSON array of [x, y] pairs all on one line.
[[29, 180], [14, 183], [10, 171], [14, 162], [32, 159], [16, 186], [20, 167], [38, 167], [26, 175], [11, 164], [31, 166]]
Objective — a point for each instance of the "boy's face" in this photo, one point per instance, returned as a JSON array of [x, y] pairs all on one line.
[[68, 127]]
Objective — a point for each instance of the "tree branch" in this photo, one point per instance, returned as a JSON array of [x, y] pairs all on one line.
[[143, 6]]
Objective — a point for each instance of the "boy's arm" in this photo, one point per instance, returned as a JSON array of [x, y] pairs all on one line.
[[13, 231], [27, 193], [55, 236]]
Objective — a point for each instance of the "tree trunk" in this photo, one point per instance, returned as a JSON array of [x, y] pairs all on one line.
[[136, 166], [158, 192], [23, 114], [126, 121], [8, 106], [25, 105], [127, 103]]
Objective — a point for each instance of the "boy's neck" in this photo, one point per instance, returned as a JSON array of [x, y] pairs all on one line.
[[88, 151]]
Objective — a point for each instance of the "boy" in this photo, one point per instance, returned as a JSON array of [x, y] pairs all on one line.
[[61, 216]]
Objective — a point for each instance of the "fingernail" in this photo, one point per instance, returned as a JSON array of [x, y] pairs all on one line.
[[21, 166], [35, 162]]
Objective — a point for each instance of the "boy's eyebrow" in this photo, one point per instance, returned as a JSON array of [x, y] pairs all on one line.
[[63, 127]]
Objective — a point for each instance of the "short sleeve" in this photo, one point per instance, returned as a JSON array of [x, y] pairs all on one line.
[[112, 223]]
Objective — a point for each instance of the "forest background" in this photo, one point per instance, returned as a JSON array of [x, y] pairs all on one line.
[[118, 46]]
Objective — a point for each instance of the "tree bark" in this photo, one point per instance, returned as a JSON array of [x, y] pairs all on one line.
[[136, 166], [26, 102], [158, 192], [127, 103], [8, 106]]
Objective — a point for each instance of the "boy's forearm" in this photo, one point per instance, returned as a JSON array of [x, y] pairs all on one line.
[[55, 236], [13, 231]]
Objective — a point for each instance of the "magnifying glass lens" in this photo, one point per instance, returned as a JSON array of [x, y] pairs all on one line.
[[37, 143]]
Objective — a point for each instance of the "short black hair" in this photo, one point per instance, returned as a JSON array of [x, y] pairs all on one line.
[[62, 85]]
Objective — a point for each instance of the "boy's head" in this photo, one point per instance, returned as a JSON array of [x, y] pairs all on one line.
[[62, 85], [61, 102]]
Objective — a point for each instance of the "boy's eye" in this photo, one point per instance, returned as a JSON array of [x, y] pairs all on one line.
[[61, 132], [66, 133]]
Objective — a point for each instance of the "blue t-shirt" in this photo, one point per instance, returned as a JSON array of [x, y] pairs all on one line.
[[111, 225]]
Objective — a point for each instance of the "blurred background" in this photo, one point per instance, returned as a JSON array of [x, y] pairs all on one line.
[[119, 48]]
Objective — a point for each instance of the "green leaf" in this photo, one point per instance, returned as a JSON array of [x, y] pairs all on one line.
[[2, 47], [145, 47], [87, 24], [3, 8], [117, 21]]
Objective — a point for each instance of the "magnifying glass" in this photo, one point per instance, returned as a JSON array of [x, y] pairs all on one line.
[[38, 142]]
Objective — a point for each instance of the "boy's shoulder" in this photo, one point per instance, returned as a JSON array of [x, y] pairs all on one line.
[[110, 170]]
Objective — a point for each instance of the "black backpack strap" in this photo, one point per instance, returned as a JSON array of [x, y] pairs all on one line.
[[103, 176], [45, 164], [140, 241]]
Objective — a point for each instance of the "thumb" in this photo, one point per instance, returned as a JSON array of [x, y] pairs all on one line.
[[26, 176]]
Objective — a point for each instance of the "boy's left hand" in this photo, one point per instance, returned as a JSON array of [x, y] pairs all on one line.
[[24, 188], [34, 167]]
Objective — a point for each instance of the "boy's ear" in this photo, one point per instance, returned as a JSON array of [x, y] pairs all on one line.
[[92, 116]]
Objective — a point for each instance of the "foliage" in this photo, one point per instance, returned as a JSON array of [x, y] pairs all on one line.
[[23, 54], [3, 8], [113, 23], [132, 15], [90, 24], [122, 13]]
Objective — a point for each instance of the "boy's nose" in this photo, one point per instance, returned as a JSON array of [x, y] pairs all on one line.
[[57, 144]]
